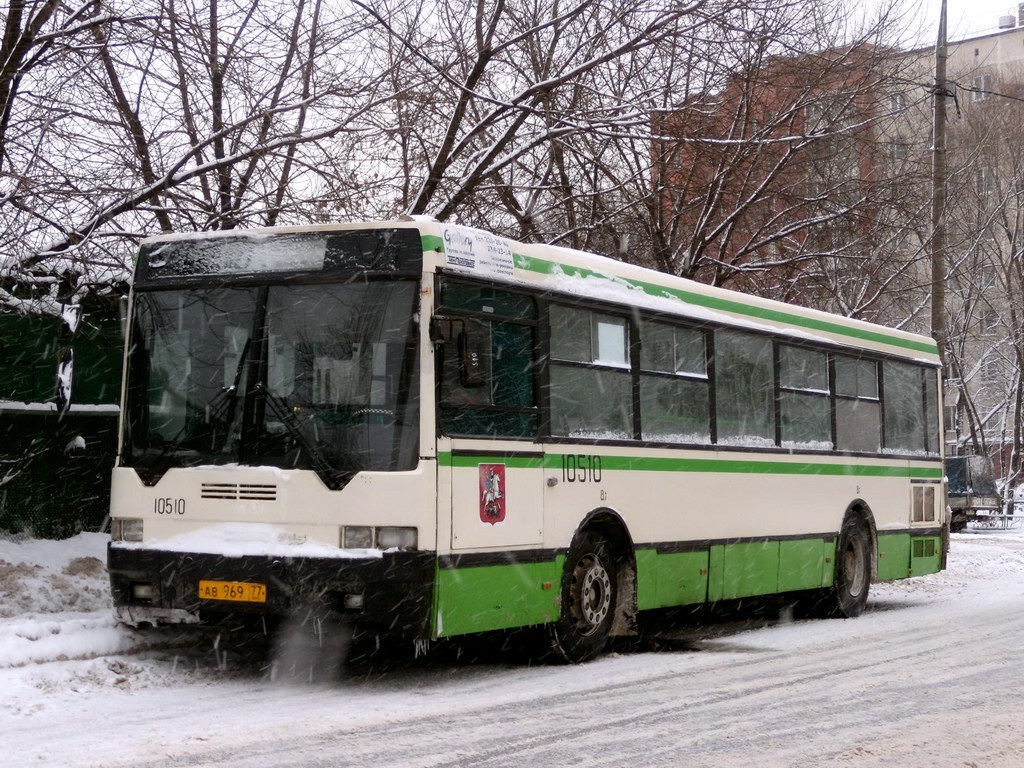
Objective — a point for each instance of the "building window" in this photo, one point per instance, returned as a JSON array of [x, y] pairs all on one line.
[[988, 320], [989, 370], [898, 152], [980, 86], [897, 102], [984, 182]]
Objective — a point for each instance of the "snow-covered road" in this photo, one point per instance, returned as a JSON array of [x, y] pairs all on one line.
[[930, 676]]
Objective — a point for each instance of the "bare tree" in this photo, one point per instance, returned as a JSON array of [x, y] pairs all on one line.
[[181, 115], [986, 285]]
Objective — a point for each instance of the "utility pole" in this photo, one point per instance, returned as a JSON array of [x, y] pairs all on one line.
[[937, 242]]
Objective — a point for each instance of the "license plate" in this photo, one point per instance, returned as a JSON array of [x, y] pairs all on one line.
[[233, 590]]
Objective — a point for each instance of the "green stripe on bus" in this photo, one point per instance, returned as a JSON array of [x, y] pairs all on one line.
[[746, 466], [732, 466], [445, 459], [546, 267], [432, 243], [543, 266]]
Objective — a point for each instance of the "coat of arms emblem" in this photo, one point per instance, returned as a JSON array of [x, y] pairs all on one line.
[[492, 493]]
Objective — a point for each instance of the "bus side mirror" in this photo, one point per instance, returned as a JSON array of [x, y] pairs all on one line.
[[472, 339], [475, 353]]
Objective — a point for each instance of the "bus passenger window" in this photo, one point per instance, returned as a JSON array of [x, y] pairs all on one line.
[[931, 408], [858, 411], [805, 418], [744, 389], [591, 389], [903, 389], [673, 384]]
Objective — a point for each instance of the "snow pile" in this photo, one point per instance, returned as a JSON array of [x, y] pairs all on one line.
[[41, 576], [38, 638]]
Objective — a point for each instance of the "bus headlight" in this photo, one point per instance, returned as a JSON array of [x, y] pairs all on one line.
[[357, 537], [126, 529], [399, 538]]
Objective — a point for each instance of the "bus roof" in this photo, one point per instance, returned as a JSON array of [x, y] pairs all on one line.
[[575, 273]]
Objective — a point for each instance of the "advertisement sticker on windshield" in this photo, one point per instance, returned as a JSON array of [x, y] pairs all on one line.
[[474, 252]]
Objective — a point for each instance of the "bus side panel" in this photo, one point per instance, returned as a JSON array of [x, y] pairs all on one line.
[[925, 555], [482, 598], [673, 578], [716, 572], [893, 556], [750, 568], [828, 565], [800, 564]]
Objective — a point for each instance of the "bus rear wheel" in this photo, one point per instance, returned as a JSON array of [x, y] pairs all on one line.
[[852, 581], [588, 600]]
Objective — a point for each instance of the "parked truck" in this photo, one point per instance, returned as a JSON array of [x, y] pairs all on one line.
[[971, 492]]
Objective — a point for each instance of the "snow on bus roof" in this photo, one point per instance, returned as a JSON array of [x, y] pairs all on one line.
[[581, 273], [622, 278], [262, 233]]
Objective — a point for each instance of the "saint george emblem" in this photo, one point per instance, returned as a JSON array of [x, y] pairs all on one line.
[[492, 493]]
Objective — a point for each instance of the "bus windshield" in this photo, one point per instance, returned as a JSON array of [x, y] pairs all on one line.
[[318, 376]]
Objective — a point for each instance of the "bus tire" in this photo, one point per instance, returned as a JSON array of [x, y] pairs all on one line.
[[588, 599], [852, 580]]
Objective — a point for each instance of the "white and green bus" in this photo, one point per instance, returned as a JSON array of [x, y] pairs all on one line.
[[431, 431]]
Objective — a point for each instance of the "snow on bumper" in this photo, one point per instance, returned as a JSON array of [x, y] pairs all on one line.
[[390, 593]]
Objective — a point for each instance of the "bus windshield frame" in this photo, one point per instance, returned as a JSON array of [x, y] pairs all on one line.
[[315, 371]]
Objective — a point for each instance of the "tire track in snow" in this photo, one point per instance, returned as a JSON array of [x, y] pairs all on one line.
[[612, 724]]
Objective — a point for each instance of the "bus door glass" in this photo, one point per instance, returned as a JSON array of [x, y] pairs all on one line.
[[487, 406]]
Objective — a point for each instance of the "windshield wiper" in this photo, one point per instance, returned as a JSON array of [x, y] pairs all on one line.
[[279, 407], [223, 405]]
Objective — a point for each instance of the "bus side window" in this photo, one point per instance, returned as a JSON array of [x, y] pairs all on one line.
[[465, 378], [804, 399], [744, 389], [904, 407], [858, 411], [674, 404], [485, 366], [591, 381], [931, 410]]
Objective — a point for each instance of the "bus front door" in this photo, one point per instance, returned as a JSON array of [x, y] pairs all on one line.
[[497, 498]]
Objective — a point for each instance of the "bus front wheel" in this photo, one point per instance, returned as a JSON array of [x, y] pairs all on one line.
[[588, 600]]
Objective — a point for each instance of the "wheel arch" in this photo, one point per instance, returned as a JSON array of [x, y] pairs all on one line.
[[858, 508], [609, 523]]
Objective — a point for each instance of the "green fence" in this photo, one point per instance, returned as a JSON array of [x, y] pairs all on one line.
[[50, 485]]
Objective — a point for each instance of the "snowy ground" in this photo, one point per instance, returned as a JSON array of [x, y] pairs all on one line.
[[930, 676]]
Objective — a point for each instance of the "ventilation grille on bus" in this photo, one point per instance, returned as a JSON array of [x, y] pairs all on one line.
[[239, 491], [924, 503], [924, 547]]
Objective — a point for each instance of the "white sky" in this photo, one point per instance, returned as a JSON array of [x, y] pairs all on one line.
[[967, 18]]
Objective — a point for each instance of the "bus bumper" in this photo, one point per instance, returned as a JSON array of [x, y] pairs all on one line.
[[390, 594]]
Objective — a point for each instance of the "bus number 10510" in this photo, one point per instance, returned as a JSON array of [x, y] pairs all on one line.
[[169, 506], [581, 468]]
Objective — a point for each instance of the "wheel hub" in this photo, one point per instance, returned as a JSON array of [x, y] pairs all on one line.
[[854, 560], [591, 594]]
